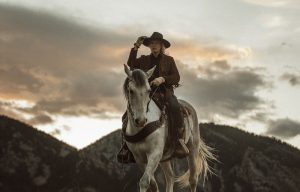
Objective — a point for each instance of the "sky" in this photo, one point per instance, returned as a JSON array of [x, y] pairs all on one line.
[[61, 62]]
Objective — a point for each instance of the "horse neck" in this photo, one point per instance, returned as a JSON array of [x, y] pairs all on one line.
[[153, 114]]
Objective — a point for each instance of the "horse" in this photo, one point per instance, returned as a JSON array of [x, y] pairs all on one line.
[[149, 152]]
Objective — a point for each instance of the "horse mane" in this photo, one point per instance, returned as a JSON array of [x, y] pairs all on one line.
[[138, 77]]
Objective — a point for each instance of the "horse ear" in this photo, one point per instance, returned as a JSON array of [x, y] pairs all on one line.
[[150, 72], [127, 71]]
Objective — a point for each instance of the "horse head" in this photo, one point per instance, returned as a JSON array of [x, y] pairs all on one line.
[[137, 92]]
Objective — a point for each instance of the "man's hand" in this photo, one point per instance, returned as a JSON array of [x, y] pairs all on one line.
[[157, 81], [139, 41]]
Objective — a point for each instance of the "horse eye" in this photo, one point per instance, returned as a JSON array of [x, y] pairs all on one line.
[[130, 91]]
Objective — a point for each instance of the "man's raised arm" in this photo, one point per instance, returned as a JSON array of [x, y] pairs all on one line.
[[132, 61]]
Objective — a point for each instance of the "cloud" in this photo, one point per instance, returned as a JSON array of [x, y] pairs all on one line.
[[274, 21], [293, 79], [66, 68], [211, 50], [220, 89], [260, 116], [275, 3], [285, 128], [55, 132], [5, 109], [214, 68], [40, 119], [61, 66], [15, 80]]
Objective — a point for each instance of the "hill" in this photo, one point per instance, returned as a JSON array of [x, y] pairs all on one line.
[[31, 160]]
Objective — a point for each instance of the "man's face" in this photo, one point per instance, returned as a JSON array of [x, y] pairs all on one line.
[[155, 46]]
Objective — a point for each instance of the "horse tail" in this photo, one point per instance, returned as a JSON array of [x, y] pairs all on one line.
[[203, 169], [205, 155]]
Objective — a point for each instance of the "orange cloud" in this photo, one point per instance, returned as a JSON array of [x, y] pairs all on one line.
[[193, 50]]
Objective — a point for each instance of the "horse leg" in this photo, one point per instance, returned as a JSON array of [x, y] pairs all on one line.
[[168, 171], [193, 174], [153, 161], [194, 162], [153, 186]]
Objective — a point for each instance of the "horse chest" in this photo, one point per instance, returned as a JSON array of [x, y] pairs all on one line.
[[139, 151], [149, 144], [152, 144]]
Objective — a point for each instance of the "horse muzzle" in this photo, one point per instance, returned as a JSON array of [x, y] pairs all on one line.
[[140, 122]]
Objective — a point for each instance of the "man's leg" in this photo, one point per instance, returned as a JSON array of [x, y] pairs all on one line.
[[174, 107]]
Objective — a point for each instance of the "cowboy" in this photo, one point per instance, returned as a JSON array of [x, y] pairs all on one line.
[[164, 78]]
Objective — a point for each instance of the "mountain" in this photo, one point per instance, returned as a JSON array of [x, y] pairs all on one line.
[[251, 162], [31, 160]]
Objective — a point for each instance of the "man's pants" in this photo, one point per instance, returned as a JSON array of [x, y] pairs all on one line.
[[174, 114]]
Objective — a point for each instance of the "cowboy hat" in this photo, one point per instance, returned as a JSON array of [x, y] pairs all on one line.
[[156, 36]]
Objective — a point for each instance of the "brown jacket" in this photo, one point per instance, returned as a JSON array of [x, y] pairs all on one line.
[[167, 68]]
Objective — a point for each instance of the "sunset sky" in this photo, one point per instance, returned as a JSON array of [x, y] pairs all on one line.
[[61, 62]]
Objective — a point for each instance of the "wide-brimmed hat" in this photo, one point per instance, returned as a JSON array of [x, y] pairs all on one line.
[[156, 36]]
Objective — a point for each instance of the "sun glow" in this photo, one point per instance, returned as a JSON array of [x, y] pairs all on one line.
[[81, 131]]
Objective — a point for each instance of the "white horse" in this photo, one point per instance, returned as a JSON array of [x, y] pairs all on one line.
[[148, 153]]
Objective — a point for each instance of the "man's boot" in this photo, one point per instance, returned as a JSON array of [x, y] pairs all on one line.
[[125, 155], [181, 149]]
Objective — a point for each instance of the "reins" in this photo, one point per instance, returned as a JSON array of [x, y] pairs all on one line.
[[151, 99]]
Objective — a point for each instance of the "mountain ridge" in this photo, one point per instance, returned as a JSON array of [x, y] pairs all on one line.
[[37, 161]]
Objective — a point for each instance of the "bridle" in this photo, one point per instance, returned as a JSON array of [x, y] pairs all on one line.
[[129, 106], [148, 128]]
